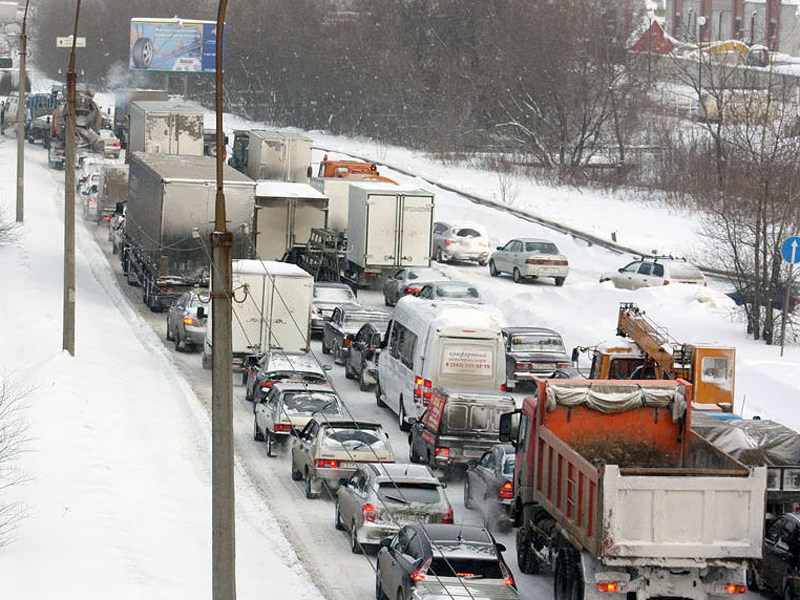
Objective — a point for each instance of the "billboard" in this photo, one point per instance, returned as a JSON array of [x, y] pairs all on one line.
[[173, 45]]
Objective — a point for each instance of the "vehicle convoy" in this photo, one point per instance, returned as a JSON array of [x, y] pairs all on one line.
[[122, 101], [650, 349], [88, 120], [169, 217], [265, 154], [165, 127], [113, 189], [616, 492], [272, 311], [388, 227], [458, 426], [430, 344], [285, 214]]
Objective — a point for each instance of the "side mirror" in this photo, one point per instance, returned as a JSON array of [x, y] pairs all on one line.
[[500, 547], [386, 542], [344, 481], [498, 248], [576, 352], [472, 463], [201, 312], [506, 425], [327, 368], [621, 269]]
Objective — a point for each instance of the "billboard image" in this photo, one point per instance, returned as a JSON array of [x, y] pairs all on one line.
[[173, 45]]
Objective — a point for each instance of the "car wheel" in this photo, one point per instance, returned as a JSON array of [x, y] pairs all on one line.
[[467, 494], [401, 417], [355, 545], [337, 353], [482, 262], [752, 580], [131, 276], [560, 281], [348, 372], [363, 385], [517, 276], [401, 594], [297, 475], [379, 595], [493, 269], [526, 559], [386, 299], [257, 435], [310, 494], [438, 257], [412, 456], [270, 439], [325, 349], [378, 400], [338, 519], [180, 345], [169, 332]]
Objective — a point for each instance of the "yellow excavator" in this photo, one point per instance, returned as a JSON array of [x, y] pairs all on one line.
[[754, 56], [644, 350]]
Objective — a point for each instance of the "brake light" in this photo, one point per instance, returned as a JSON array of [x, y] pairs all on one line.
[[563, 365], [412, 290], [106, 218], [368, 513], [347, 341], [166, 289], [508, 578], [189, 321], [448, 242], [116, 144], [735, 588], [426, 395], [502, 387], [326, 463], [266, 384], [608, 586], [418, 380], [447, 517], [666, 282], [282, 427], [417, 389], [506, 490], [442, 454], [419, 574]]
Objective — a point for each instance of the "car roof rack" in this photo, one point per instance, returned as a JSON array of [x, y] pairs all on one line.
[[657, 257]]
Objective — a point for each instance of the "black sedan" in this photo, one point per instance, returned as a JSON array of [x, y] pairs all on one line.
[[489, 485], [338, 332], [408, 281], [533, 352], [361, 358], [441, 556]]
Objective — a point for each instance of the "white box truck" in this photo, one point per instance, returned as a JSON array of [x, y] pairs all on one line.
[[271, 310], [166, 127], [265, 154], [388, 226], [285, 214], [337, 190]]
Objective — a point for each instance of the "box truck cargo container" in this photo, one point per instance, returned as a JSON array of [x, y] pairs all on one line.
[[166, 127], [264, 154]]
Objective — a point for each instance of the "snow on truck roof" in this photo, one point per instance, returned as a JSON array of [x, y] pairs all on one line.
[[391, 190], [182, 167], [273, 134], [173, 106], [285, 189], [267, 267], [444, 315]]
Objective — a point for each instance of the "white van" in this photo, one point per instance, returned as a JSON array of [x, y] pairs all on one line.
[[431, 344]]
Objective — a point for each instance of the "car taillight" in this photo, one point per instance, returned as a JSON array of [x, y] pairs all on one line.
[[412, 290], [417, 388], [502, 387], [442, 454], [368, 513], [666, 282], [563, 365], [426, 394], [610, 587], [735, 588], [116, 144], [422, 570], [506, 490], [166, 289], [282, 427], [508, 578], [447, 517], [326, 463], [189, 321], [347, 341], [448, 242], [265, 384], [523, 365]]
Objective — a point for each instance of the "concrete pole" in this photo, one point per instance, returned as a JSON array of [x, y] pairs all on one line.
[[223, 512], [68, 334], [23, 85]]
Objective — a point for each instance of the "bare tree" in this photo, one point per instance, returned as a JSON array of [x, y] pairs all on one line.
[[13, 441]]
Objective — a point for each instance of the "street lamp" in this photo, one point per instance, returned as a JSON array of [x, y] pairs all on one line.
[[23, 83], [223, 536]]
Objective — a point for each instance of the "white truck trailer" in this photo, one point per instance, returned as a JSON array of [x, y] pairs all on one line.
[[165, 127], [388, 226], [337, 190], [265, 154]]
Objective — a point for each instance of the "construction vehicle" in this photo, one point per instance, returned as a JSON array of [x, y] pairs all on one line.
[[88, 120], [616, 493], [644, 350], [39, 109], [351, 168], [754, 56]]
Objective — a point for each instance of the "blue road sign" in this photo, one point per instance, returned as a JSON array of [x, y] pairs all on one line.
[[790, 249]]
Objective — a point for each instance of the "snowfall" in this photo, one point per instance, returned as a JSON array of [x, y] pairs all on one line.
[[114, 480]]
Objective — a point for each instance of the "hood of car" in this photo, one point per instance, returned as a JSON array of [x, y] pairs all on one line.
[[528, 356]]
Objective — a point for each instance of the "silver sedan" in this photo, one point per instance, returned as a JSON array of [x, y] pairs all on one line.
[[529, 258], [186, 321]]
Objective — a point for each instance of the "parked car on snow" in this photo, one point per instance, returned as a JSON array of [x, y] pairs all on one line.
[[278, 366], [434, 561], [328, 296], [106, 143], [379, 498], [361, 358], [529, 258], [654, 271], [328, 450], [289, 407], [408, 281], [489, 485], [450, 290], [533, 352], [460, 241], [748, 297], [339, 331], [186, 321]]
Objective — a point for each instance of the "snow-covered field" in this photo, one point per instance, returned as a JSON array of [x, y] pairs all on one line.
[[118, 462]]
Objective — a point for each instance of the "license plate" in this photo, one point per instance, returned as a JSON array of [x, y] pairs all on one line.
[[544, 366], [347, 465]]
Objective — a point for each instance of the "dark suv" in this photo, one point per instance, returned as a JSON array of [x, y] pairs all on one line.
[[440, 557], [778, 570]]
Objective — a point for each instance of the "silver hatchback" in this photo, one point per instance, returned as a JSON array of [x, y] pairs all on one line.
[[380, 498], [460, 241]]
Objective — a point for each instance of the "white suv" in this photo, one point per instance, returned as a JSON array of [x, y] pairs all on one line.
[[654, 271]]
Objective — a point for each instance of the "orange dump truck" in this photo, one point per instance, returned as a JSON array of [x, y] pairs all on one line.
[[616, 493]]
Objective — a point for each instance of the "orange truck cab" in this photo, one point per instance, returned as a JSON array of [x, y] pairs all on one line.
[[351, 168]]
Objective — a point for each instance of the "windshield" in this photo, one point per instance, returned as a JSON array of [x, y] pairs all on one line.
[[330, 294], [538, 342], [541, 247], [336, 438], [408, 493], [456, 291], [467, 232], [306, 403], [508, 465]]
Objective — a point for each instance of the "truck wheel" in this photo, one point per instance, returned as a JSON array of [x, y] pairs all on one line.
[[567, 583], [788, 594], [401, 417], [526, 559]]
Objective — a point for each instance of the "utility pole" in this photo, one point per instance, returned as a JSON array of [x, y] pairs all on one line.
[[223, 514], [23, 85], [68, 336]]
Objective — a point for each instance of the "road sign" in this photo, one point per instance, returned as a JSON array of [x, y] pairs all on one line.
[[66, 42], [790, 249]]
